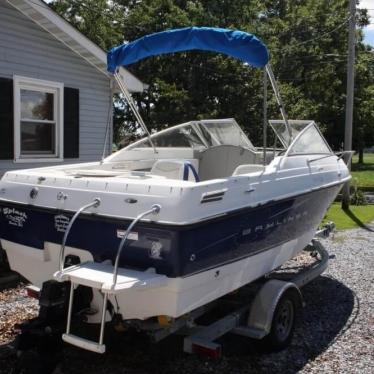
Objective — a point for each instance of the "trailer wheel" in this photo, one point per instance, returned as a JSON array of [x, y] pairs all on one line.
[[283, 322]]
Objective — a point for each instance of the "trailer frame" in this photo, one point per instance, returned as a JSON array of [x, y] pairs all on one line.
[[252, 318]]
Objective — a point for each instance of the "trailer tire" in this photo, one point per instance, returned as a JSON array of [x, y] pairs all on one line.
[[283, 322]]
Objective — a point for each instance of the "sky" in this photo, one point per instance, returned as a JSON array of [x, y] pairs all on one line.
[[369, 30]]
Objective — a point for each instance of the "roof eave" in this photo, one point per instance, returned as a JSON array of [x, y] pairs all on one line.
[[63, 31]]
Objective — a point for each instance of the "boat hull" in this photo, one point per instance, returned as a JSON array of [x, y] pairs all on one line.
[[175, 251], [180, 296]]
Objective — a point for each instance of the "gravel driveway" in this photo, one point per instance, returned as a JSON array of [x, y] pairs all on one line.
[[334, 334]]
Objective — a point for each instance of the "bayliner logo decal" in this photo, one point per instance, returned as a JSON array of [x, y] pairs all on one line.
[[274, 223], [15, 217], [61, 222]]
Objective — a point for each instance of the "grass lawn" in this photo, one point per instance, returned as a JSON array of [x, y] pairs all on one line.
[[357, 216], [363, 174]]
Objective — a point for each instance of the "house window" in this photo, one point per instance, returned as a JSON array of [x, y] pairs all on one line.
[[38, 117]]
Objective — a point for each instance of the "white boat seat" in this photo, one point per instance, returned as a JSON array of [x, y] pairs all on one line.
[[248, 168], [175, 169], [220, 161]]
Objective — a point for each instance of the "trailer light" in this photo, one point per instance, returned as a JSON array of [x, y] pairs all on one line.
[[33, 291], [214, 352], [165, 320]]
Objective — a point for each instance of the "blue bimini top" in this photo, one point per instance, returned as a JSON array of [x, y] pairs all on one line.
[[239, 44]]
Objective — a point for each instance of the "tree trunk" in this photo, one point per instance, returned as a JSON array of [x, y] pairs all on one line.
[[361, 155], [346, 198]]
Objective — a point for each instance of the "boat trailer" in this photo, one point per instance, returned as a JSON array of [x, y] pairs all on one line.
[[268, 312], [264, 310]]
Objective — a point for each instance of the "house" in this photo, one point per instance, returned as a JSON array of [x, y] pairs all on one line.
[[55, 92]]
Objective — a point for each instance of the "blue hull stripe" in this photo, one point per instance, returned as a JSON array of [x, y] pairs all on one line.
[[172, 250]]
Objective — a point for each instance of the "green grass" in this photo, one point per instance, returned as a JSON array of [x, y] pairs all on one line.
[[368, 158], [363, 175], [357, 216]]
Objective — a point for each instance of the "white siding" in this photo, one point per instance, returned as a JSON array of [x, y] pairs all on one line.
[[26, 49]]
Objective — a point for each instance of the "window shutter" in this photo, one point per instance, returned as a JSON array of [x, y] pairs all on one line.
[[6, 119], [71, 122]]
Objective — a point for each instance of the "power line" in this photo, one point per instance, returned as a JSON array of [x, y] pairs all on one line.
[[324, 34], [305, 27], [305, 57], [220, 73], [98, 11]]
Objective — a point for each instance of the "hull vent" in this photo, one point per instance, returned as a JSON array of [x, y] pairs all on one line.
[[209, 197]]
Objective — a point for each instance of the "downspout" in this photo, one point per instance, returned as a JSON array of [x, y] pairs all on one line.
[[111, 119], [109, 124]]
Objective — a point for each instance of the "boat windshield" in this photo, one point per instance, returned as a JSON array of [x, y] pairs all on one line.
[[306, 138], [224, 132], [282, 132], [310, 141], [198, 134]]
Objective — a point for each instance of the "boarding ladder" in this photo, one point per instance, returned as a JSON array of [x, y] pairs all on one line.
[[107, 279]]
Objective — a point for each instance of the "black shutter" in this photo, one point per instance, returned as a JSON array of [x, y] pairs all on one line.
[[6, 119], [71, 122]]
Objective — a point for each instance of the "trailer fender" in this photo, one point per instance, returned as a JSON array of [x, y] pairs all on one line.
[[263, 306]]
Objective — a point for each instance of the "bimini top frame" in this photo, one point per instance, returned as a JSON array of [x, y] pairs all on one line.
[[239, 44]]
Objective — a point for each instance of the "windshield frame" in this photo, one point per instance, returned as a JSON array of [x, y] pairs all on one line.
[[196, 127]]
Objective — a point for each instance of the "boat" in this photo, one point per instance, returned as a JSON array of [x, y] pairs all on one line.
[[179, 218]]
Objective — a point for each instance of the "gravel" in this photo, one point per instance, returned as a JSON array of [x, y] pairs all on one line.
[[14, 308], [334, 333]]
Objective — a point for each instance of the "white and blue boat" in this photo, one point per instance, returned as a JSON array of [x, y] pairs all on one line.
[[179, 218]]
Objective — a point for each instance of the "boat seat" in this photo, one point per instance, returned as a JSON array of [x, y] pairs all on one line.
[[248, 168], [175, 169], [220, 161]]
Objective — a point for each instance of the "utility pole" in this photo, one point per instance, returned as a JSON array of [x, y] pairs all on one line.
[[350, 93]]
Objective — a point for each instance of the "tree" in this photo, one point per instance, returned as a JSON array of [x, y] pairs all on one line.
[[307, 41], [194, 85], [100, 20], [363, 130]]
